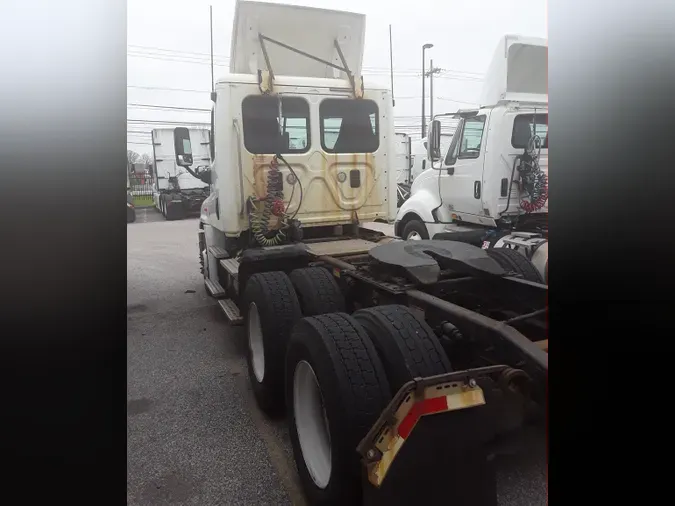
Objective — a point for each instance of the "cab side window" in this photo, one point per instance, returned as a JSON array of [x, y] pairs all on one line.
[[472, 137], [453, 150]]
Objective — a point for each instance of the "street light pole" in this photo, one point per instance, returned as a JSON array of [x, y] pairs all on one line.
[[424, 48]]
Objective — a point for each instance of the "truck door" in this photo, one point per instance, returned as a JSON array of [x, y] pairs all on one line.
[[462, 170], [403, 164]]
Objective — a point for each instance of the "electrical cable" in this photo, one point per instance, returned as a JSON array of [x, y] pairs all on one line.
[[154, 50], [534, 180], [260, 220]]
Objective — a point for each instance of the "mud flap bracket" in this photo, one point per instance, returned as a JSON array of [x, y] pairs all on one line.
[[445, 456]]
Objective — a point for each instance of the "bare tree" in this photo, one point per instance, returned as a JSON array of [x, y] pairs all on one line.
[[146, 159], [132, 157]]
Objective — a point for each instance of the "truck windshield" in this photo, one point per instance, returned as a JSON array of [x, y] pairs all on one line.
[[262, 135], [525, 125], [349, 126]]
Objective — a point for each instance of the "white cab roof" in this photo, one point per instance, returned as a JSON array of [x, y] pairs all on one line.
[[518, 71], [305, 28]]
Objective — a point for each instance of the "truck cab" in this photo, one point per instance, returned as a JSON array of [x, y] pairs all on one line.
[[176, 192], [493, 177], [299, 141], [303, 153]]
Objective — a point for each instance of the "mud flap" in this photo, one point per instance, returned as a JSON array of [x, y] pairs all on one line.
[[430, 446], [432, 469]]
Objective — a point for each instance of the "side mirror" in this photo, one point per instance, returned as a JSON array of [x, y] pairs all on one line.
[[183, 146], [434, 141]]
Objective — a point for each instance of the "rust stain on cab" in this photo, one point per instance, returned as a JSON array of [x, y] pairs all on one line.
[[372, 188], [259, 180]]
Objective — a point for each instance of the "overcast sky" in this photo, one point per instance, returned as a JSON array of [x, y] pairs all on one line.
[[168, 54]]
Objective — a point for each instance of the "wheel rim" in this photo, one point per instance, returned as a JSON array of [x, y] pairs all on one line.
[[255, 342], [311, 424], [414, 236]]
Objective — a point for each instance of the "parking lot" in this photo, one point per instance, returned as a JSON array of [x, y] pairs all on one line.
[[195, 435]]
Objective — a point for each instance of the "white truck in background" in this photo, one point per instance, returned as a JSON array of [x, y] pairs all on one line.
[[404, 164], [176, 192], [354, 336], [419, 162], [418, 151], [490, 186]]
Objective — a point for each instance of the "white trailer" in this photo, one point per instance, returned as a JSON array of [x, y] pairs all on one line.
[[176, 192], [490, 185]]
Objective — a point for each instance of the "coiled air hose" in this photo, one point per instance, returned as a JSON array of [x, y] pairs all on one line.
[[533, 180], [273, 205]]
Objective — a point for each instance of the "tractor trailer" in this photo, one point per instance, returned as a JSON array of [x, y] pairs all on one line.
[[176, 192], [397, 364]]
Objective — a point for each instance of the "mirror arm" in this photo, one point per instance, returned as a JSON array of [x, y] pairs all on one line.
[[204, 176]]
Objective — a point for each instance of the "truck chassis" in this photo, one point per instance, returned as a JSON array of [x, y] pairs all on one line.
[[176, 204], [486, 327]]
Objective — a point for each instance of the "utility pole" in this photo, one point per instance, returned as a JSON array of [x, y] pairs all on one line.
[[432, 70], [424, 48]]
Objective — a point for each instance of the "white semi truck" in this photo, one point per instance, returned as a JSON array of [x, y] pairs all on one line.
[[490, 186], [356, 337], [419, 162], [404, 166], [176, 192]]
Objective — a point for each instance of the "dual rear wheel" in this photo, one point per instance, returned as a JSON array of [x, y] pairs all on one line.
[[169, 210], [333, 373]]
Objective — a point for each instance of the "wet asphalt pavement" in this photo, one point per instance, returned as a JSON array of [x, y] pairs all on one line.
[[194, 433]]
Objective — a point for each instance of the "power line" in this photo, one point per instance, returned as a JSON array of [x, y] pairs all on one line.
[[196, 54], [177, 60], [169, 107], [374, 71], [162, 49], [167, 122], [198, 109], [160, 88]]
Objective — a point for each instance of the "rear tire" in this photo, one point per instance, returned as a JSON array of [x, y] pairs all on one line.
[[406, 345], [271, 309], [351, 389], [513, 261], [317, 291], [174, 211], [414, 230]]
